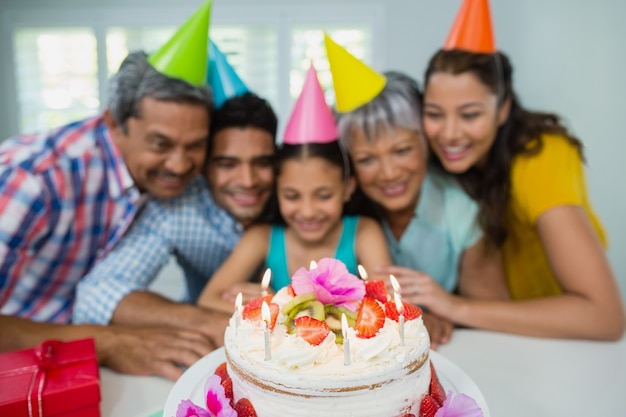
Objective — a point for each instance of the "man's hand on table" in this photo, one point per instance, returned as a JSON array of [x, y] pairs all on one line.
[[151, 351]]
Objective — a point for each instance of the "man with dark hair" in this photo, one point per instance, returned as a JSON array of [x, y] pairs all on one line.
[[200, 227]]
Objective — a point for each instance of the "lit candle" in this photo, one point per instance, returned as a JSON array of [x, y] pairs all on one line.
[[237, 311], [346, 341], [265, 282], [265, 315], [400, 308], [312, 265], [394, 283], [362, 272]]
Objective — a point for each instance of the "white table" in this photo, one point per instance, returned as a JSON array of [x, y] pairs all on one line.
[[519, 377]]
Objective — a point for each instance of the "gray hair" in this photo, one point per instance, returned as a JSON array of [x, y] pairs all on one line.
[[137, 79], [398, 105]]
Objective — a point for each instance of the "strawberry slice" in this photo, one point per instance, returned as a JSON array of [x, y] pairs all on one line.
[[371, 318], [221, 371], [410, 312], [290, 290], [377, 290], [436, 389], [228, 390], [312, 330], [256, 314], [256, 303], [244, 408], [429, 406]]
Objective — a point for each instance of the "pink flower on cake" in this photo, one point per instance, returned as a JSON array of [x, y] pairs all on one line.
[[331, 282], [186, 408], [459, 405], [216, 402]]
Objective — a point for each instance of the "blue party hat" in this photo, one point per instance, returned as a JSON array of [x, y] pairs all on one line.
[[222, 78]]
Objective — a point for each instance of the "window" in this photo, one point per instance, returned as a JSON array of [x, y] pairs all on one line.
[[60, 71]]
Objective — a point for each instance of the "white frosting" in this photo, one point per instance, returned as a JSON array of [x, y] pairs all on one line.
[[381, 379]]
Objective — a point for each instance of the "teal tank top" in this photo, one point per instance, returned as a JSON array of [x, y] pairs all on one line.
[[276, 258]]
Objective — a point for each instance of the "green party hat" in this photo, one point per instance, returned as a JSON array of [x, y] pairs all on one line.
[[185, 55]]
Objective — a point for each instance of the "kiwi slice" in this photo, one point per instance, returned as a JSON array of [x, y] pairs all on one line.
[[311, 308], [296, 301], [333, 316]]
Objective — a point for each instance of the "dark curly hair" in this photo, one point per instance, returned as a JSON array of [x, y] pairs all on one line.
[[246, 110], [520, 134]]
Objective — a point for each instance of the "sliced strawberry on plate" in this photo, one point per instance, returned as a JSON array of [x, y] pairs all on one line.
[[436, 389], [429, 406], [377, 290], [312, 330], [290, 290], [410, 311], [371, 318], [221, 371], [228, 390], [244, 408]]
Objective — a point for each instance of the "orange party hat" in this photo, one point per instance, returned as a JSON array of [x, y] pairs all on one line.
[[472, 30]]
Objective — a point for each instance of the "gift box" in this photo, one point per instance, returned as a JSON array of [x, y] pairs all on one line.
[[55, 379]]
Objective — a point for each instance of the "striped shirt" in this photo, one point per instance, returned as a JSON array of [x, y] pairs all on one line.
[[66, 197], [199, 234]]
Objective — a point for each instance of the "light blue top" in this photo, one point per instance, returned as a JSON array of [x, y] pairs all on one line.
[[277, 253], [191, 227], [443, 226]]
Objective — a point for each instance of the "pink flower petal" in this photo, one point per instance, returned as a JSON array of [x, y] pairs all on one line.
[[186, 408], [332, 283], [459, 405], [216, 400]]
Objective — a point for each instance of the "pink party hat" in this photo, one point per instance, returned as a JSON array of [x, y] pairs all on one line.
[[312, 120]]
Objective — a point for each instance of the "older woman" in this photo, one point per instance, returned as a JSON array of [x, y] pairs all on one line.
[[429, 222]]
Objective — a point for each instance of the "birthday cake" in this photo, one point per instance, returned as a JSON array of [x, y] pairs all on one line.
[[328, 344]]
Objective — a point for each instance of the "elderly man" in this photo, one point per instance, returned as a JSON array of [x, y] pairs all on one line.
[[68, 196]]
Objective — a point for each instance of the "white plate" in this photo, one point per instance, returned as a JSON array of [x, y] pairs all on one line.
[[191, 384]]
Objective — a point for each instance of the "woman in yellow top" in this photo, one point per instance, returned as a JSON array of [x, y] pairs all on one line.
[[526, 172]]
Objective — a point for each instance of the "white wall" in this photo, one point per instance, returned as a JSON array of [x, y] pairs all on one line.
[[569, 58]]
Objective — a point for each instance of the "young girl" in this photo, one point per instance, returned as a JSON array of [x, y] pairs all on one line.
[[525, 170], [313, 183]]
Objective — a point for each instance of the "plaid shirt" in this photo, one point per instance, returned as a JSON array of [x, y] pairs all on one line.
[[66, 198], [192, 227]]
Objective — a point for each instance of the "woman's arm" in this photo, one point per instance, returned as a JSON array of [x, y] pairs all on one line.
[[244, 260], [590, 306], [481, 274]]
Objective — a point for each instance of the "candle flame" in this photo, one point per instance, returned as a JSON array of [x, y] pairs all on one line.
[[398, 301], [267, 276], [394, 283], [362, 272], [344, 325], [312, 265], [265, 312], [238, 301]]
